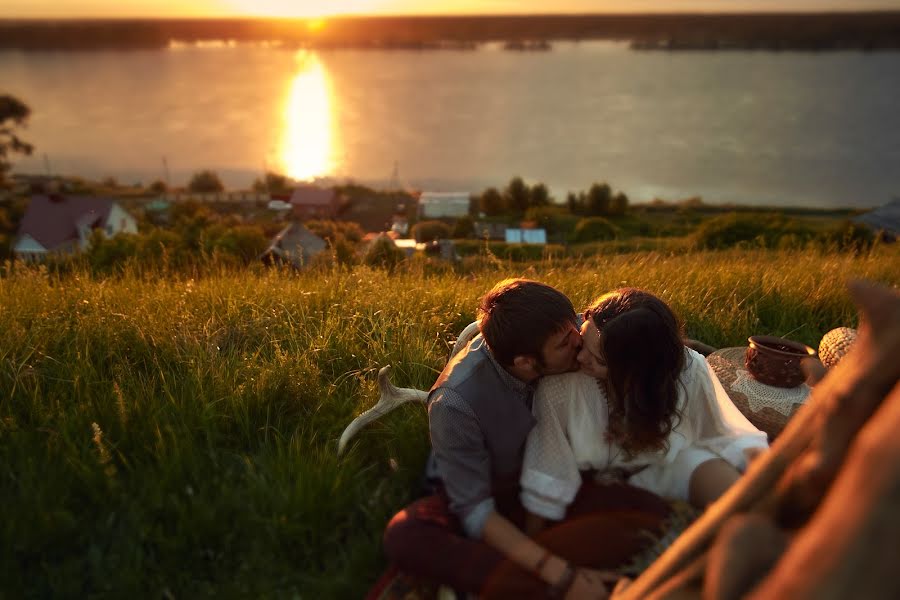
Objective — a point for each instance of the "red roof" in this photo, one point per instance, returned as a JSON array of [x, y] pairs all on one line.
[[53, 220], [310, 195]]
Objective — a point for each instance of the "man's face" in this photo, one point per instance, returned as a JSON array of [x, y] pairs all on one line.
[[560, 352], [591, 357]]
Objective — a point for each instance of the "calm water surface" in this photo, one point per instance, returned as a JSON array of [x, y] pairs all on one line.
[[749, 127]]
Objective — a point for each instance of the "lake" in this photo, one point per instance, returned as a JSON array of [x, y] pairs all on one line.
[[801, 129]]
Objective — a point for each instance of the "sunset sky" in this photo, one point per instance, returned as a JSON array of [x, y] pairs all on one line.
[[303, 8]]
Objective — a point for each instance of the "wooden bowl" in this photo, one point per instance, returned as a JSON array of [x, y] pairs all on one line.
[[776, 361]]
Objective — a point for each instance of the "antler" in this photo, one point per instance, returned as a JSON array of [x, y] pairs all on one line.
[[391, 397]]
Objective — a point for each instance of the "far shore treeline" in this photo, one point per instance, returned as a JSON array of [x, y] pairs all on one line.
[[792, 31]]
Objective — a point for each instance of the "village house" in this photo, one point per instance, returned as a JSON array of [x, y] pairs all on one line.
[[57, 224], [436, 205], [295, 245], [525, 236], [311, 202], [490, 231]]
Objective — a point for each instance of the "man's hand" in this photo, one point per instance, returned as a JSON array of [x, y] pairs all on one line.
[[590, 585]]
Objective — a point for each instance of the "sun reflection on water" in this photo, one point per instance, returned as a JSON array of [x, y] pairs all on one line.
[[307, 146]]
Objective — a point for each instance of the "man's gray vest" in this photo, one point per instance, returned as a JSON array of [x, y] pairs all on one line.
[[503, 414]]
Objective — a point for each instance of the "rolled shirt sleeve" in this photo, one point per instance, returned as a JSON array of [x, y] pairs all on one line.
[[550, 473], [462, 459]]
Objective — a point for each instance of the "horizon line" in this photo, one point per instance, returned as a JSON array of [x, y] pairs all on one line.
[[229, 17]]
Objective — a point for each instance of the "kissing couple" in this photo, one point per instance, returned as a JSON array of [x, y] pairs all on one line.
[[560, 441]]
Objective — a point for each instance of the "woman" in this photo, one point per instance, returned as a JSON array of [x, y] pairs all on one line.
[[643, 410]]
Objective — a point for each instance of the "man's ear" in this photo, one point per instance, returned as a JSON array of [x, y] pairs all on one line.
[[525, 364]]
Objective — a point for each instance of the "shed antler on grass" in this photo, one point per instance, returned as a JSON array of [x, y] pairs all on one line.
[[823, 498], [391, 397]]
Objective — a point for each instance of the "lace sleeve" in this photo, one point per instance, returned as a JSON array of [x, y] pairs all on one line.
[[716, 422], [550, 477]]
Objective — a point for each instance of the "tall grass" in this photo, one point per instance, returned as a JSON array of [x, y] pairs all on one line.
[[176, 437]]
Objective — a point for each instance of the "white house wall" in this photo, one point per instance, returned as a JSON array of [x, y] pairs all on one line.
[[28, 245], [119, 221]]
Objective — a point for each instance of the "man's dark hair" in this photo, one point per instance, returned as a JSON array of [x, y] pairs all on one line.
[[518, 316]]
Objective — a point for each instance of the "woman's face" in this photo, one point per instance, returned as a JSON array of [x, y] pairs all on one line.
[[591, 357]]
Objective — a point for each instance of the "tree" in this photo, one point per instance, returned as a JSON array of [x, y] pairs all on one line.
[[273, 183], [205, 182], [13, 113], [428, 231], [540, 195], [619, 204], [491, 202], [517, 196], [598, 199], [463, 228], [574, 204]]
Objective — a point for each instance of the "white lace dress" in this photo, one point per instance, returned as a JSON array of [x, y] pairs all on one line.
[[569, 437]]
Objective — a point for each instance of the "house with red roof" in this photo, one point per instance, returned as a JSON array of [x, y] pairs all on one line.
[[311, 202], [55, 224]]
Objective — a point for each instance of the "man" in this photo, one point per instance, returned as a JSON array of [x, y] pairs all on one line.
[[479, 413]]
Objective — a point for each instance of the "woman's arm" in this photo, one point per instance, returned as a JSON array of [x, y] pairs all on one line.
[[550, 476]]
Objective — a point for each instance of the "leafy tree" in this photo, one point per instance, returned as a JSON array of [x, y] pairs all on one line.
[[599, 198], [619, 204], [427, 231], [555, 219], [273, 183], [540, 195], [158, 187], [205, 182], [491, 202], [13, 113], [574, 203], [463, 228], [517, 196]]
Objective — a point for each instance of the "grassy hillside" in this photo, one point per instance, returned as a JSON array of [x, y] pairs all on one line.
[[169, 436]]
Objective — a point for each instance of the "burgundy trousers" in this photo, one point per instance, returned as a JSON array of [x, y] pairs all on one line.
[[602, 529]]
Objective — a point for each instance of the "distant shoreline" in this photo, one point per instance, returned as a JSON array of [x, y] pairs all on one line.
[[863, 31]]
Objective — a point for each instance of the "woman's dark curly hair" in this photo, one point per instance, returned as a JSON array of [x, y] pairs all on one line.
[[642, 344]]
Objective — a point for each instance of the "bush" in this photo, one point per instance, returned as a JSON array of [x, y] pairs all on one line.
[[332, 231], [733, 229], [463, 228], [245, 242], [848, 236], [428, 231], [205, 182], [592, 229], [383, 253], [555, 219]]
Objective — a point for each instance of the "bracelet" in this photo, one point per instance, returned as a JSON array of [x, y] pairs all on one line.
[[559, 589], [539, 565]]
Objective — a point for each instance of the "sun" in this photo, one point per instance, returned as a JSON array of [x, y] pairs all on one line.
[[303, 8]]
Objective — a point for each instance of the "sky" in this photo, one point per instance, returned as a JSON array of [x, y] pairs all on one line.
[[318, 8]]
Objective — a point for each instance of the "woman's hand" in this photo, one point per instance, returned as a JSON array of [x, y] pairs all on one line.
[[590, 584], [752, 454]]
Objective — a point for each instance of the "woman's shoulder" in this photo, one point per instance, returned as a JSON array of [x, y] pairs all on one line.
[[694, 363], [566, 387]]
